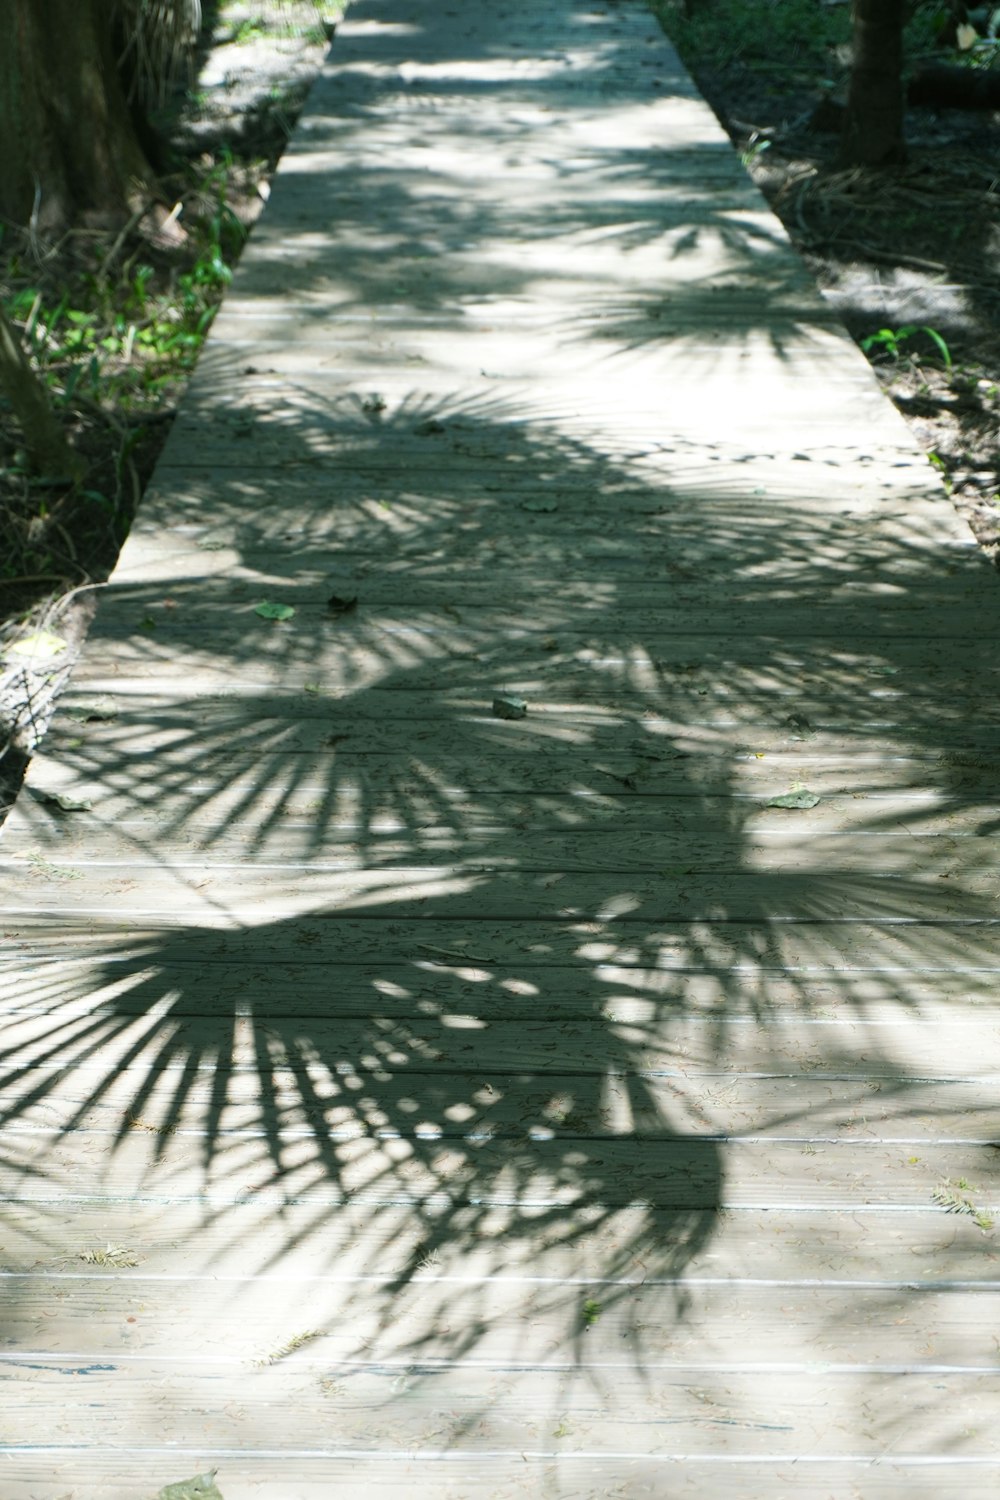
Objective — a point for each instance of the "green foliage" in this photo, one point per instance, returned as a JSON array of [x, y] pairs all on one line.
[[890, 341], [117, 337], [111, 338], [924, 26], [590, 1312], [767, 35], [253, 27], [954, 1196], [800, 37]]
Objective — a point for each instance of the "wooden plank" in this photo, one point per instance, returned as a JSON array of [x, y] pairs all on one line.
[[302, 438], [902, 953], [581, 733], [478, 891], [717, 732], [555, 521], [465, 1046], [227, 620], [867, 512], [860, 1244], [191, 564], [448, 1177], [436, 1475], [591, 758], [366, 653], [69, 845], [791, 1106], [323, 373], [502, 1322], [588, 1399], [54, 973], [770, 678], [601, 1043], [588, 1410]]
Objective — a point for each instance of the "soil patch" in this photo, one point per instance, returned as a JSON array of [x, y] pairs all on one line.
[[909, 256]]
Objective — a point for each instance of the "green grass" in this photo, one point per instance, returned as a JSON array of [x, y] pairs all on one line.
[[891, 340], [763, 34], [785, 38]]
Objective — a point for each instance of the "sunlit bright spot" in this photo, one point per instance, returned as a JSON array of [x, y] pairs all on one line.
[[595, 953], [519, 987], [375, 1116], [391, 988], [558, 1108], [619, 906]]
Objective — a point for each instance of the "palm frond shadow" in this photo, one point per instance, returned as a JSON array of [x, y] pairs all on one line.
[[453, 1000], [464, 985]]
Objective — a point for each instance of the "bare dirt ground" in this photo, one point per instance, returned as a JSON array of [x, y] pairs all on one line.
[[911, 259]]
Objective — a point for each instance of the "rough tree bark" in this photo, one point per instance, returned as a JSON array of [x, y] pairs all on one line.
[[873, 126], [48, 450], [70, 144]]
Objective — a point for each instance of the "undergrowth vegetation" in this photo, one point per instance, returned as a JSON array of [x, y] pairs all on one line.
[[806, 41], [909, 255], [112, 329], [112, 316]]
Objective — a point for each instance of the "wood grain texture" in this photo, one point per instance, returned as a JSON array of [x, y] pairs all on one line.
[[404, 1100]]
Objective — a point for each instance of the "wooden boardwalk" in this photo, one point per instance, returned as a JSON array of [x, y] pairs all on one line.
[[406, 1099]]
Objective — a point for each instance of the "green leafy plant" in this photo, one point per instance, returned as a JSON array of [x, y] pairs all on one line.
[[890, 341], [755, 147], [743, 32], [282, 1351], [590, 1312], [954, 1196]]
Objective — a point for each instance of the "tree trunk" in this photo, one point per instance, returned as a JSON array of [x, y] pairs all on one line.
[[48, 450], [70, 145], [873, 126]]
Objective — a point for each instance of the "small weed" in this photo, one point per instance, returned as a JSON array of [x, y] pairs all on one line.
[[116, 1257], [590, 1312], [754, 148], [954, 1195], [937, 462], [890, 340], [135, 1123], [297, 1341], [252, 29], [46, 870]]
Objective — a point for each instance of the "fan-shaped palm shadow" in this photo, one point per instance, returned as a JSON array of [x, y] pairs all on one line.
[[361, 964], [480, 981]]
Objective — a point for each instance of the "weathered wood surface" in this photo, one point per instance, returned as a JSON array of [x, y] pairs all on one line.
[[402, 1100]]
